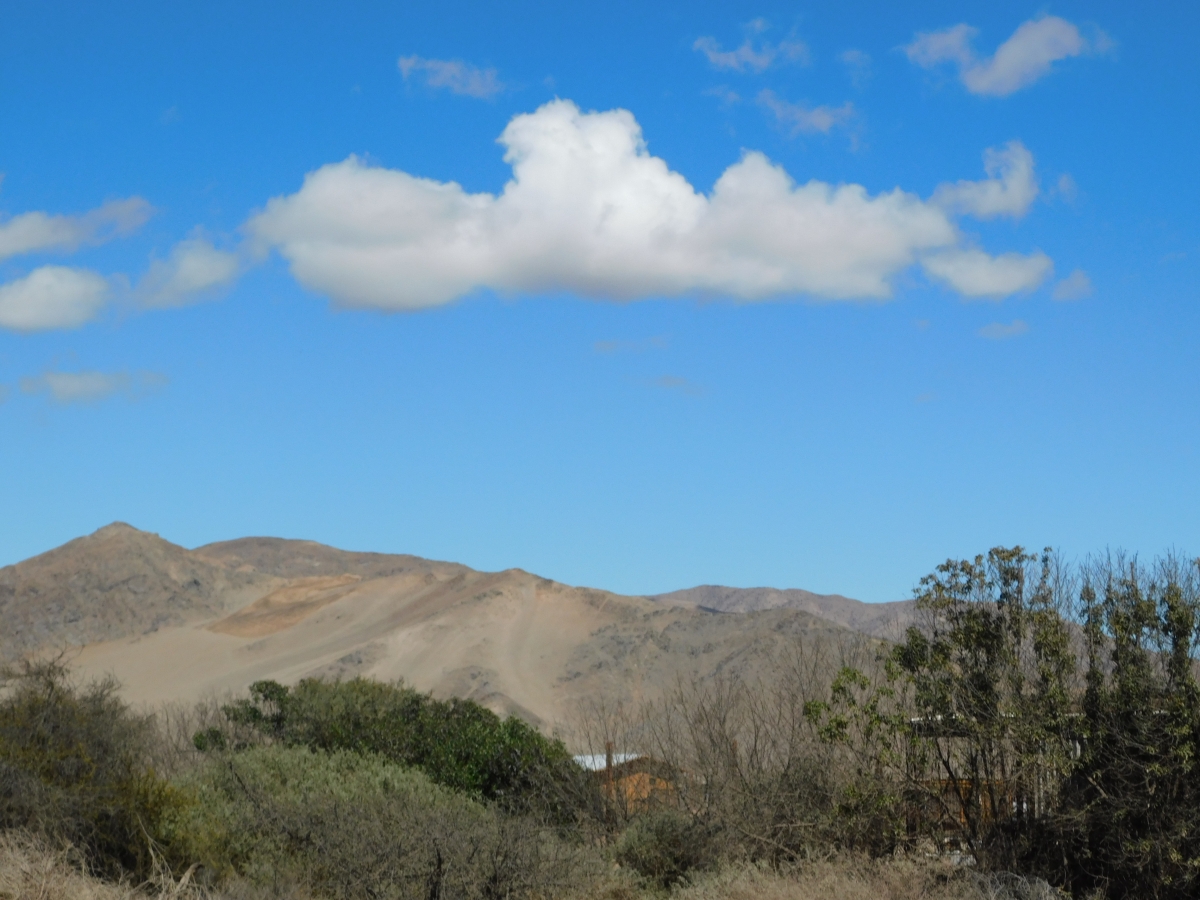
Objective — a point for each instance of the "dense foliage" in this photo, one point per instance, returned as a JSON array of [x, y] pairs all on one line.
[[351, 825], [74, 765], [457, 743], [1057, 717]]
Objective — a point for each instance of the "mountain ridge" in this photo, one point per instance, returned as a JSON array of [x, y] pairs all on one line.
[[178, 624]]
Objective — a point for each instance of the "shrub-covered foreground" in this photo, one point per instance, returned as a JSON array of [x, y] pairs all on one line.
[[457, 743], [348, 825], [30, 869], [75, 765], [1040, 718], [1040, 722]]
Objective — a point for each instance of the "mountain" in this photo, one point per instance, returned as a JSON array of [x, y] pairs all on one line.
[[882, 620], [177, 624], [113, 583]]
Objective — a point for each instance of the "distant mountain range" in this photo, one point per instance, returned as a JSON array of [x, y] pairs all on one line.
[[177, 624]]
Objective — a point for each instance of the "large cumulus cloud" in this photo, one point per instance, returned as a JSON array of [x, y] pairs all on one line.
[[589, 210]]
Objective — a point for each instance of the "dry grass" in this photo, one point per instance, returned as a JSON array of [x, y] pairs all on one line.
[[838, 880], [29, 870], [842, 879]]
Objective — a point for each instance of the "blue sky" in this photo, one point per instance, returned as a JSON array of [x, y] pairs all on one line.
[[636, 296]]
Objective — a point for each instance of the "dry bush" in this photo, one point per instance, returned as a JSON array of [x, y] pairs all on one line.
[[30, 870], [178, 724], [848, 878], [76, 767], [747, 763]]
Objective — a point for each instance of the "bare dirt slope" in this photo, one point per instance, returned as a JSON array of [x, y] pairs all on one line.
[[173, 624], [882, 620]]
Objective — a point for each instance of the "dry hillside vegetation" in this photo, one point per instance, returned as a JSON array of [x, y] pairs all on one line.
[[177, 624], [31, 870]]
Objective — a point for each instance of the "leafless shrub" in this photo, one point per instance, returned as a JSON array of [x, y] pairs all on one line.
[[840, 878], [746, 762]]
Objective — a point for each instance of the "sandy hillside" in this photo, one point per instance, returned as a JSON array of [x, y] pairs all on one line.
[[269, 608]]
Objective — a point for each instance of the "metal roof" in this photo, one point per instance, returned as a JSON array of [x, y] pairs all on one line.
[[596, 762]]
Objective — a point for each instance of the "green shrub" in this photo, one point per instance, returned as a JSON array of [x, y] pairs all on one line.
[[353, 825], [663, 846], [457, 743], [74, 766]]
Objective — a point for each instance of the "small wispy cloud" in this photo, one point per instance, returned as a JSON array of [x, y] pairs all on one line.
[[858, 66], [1009, 190], [52, 297], [1027, 56], [754, 54], [998, 331], [653, 343], [976, 274], [454, 75], [678, 384], [799, 118], [68, 388], [725, 94], [1075, 286], [39, 232], [194, 268]]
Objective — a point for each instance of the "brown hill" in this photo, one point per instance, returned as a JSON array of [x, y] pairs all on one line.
[[116, 582], [882, 620], [173, 624]]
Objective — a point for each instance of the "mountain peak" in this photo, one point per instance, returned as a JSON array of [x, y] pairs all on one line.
[[117, 528]]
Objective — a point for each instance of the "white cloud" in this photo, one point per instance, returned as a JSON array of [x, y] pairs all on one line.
[[589, 210], [194, 267], [801, 119], [90, 386], [725, 94], [1017, 63], [1075, 286], [34, 232], [453, 74], [1066, 188], [998, 331], [752, 56], [858, 65], [52, 297], [929, 48], [1009, 189], [974, 273]]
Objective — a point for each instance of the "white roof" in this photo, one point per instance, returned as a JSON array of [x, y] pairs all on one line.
[[595, 762]]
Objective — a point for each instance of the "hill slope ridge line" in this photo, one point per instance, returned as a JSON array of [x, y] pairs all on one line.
[[177, 624]]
